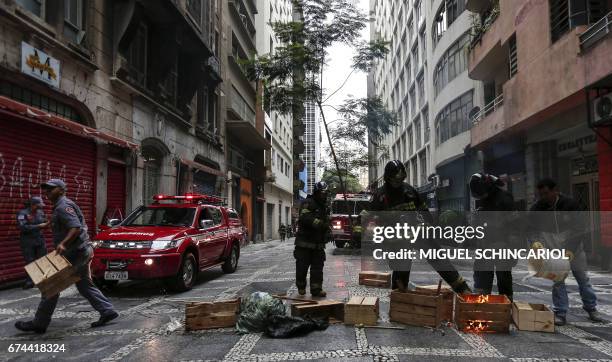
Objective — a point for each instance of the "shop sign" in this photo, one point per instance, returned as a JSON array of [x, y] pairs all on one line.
[[584, 165], [567, 146], [39, 65]]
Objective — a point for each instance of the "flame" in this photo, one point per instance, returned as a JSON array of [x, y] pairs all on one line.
[[477, 298], [476, 326], [483, 299]]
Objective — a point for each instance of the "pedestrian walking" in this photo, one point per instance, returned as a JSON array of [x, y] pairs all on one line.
[[397, 195], [492, 199], [310, 241], [561, 218], [282, 232], [31, 220], [71, 240]]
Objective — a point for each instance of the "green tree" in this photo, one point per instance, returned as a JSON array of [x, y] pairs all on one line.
[[351, 181], [293, 73]]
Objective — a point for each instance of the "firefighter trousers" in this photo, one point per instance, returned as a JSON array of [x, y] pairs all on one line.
[[313, 259]]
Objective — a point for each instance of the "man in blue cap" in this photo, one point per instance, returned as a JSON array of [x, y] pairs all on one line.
[[71, 240], [31, 220]]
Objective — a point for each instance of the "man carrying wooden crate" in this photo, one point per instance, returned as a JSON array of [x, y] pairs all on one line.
[[396, 195], [70, 239]]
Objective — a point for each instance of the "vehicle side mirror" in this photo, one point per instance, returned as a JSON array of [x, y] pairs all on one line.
[[113, 222], [206, 224]]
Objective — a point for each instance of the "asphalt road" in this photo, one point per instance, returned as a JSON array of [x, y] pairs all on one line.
[[151, 328]]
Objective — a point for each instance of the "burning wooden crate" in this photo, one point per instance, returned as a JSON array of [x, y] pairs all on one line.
[[375, 279], [331, 309], [417, 308], [483, 313], [361, 310], [448, 297], [51, 274], [533, 317], [209, 315]]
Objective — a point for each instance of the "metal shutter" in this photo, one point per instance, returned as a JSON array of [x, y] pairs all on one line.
[[31, 154]]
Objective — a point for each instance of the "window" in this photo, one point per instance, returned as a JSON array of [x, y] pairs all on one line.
[[74, 20], [33, 6], [417, 133], [151, 173], [452, 63], [449, 12], [421, 90], [559, 19], [512, 57], [412, 103], [194, 7], [453, 119], [423, 164], [137, 56], [415, 61], [425, 117], [415, 179]]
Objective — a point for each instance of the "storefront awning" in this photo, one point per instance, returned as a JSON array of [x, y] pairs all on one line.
[[201, 167], [32, 114]]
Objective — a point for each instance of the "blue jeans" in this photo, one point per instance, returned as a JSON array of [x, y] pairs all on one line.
[[560, 299]]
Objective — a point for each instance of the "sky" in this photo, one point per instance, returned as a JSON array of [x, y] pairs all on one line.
[[338, 68]]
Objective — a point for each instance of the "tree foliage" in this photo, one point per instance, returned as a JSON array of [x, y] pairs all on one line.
[[351, 181]]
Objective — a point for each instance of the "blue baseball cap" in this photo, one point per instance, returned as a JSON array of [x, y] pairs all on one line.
[[36, 200], [54, 182]]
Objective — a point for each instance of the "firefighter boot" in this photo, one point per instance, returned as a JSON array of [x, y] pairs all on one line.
[[460, 286]]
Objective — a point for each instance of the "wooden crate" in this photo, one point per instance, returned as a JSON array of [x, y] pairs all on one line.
[[375, 279], [51, 274], [209, 315], [322, 309], [361, 310], [417, 308], [448, 297], [533, 317], [493, 315]]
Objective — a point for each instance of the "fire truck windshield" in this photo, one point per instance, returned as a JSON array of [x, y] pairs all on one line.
[[162, 216], [340, 206]]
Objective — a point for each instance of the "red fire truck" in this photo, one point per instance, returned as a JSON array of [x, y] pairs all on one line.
[[173, 239], [342, 231]]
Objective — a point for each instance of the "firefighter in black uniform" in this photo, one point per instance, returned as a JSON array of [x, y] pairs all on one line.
[[491, 200], [396, 195], [311, 239]]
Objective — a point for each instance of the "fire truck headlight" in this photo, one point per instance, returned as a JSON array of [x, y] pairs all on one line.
[[148, 261], [97, 243], [337, 225]]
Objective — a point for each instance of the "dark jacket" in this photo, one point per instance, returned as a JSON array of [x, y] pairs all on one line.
[[564, 216], [404, 198], [27, 221], [313, 224]]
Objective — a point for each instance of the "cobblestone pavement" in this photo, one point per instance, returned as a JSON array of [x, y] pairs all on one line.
[[150, 327]]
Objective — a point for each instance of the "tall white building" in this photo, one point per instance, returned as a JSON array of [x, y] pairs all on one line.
[[312, 145], [278, 189], [424, 79]]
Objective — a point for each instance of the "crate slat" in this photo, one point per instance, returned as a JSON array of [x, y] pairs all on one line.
[[209, 315]]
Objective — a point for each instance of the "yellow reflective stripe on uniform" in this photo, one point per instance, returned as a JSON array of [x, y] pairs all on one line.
[[304, 211]]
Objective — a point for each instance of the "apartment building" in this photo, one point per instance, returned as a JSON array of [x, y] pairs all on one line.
[[278, 187], [424, 80], [547, 79], [312, 146], [120, 99]]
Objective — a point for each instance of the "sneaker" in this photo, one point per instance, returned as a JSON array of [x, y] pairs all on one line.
[[302, 291], [560, 320], [320, 293], [105, 319], [29, 327], [596, 317]]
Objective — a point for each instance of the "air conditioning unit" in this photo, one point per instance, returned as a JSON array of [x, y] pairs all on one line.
[[602, 110]]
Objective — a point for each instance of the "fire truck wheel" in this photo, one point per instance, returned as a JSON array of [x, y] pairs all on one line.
[[187, 273], [339, 244], [231, 263]]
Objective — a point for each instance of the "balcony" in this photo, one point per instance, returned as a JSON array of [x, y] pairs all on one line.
[[596, 32], [489, 122], [241, 123]]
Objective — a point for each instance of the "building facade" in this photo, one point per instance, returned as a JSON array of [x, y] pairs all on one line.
[[244, 125], [278, 188], [424, 80], [544, 72], [120, 99]]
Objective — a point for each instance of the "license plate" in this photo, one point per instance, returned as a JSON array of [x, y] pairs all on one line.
[[116, 275], [337, 232]]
